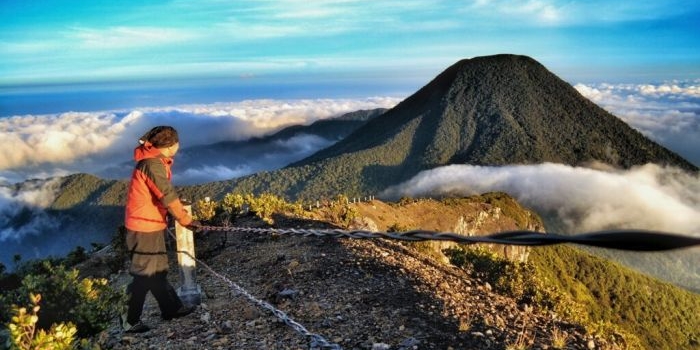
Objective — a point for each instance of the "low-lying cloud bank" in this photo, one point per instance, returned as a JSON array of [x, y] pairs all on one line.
[[226, 166], [22, 209], [668, 113], [47, 145], [582, 199]]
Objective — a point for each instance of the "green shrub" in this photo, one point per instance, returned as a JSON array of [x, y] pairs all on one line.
[[625, 302], [87, 303], [76, 256], [24, 334], [341, 212], [527, 283], [405, 201], [233, 203], [505, 276], [204, 209], [263, 206]]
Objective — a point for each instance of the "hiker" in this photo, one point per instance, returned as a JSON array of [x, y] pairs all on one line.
[[151, 196]]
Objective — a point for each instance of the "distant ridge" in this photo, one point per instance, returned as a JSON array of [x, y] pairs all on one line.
[[492, 110]]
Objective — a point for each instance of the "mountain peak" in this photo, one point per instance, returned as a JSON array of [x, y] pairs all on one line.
[[497, 110], [492, 110]]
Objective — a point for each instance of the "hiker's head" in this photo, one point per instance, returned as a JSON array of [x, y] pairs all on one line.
[[164, 138]]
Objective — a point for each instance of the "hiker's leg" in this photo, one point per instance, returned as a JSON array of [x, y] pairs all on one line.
[[137, 290], [168, 300]]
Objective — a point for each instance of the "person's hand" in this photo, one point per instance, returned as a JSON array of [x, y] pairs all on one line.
[[195, 226]]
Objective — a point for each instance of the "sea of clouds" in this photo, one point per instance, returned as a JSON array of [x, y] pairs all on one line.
[[22, 209], [668, 113], [583, 199], [42, 146]]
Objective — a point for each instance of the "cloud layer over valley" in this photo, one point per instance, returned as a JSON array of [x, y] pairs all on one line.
[[59, 144], [668, 113], [581, 199], [22, 209]]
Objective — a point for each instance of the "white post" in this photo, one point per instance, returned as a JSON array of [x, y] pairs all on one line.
[[189, 292]]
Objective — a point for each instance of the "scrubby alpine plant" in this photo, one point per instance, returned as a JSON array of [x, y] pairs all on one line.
[[24, 334], [87, 303]]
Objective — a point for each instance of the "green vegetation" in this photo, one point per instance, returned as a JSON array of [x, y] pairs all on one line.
[[24, 334], [88, 303], [72, 306], [662, 315], [340, 211], [204, 209], [505, 276], [609, 300], [263, 206], [266, 206]]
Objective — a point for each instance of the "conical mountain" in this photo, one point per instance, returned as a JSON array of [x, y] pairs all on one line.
[[493, 110]]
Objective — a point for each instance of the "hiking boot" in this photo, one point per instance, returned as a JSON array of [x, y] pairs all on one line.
[[182, 311], [139, 327]]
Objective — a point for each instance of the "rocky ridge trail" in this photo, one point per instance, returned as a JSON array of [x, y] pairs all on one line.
[[359, 294]]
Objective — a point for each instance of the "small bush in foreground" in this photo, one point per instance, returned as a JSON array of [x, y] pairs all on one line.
[[89, 304], [24, 334]]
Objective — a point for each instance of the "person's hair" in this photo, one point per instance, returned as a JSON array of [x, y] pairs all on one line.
[[161, 136]]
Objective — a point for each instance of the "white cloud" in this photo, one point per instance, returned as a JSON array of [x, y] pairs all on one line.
[[88, 142], [258, 31], [56, 138], [669, 89], [28, 48], [568, 13], [27, 204], [304, 143], [668, 113], [583, 199]]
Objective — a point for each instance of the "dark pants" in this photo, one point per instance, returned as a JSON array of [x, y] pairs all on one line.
[[162, 290]]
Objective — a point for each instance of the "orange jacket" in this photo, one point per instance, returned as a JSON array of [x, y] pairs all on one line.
[[151, 195]]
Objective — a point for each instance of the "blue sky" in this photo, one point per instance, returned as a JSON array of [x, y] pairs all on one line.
[[403, 42]]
